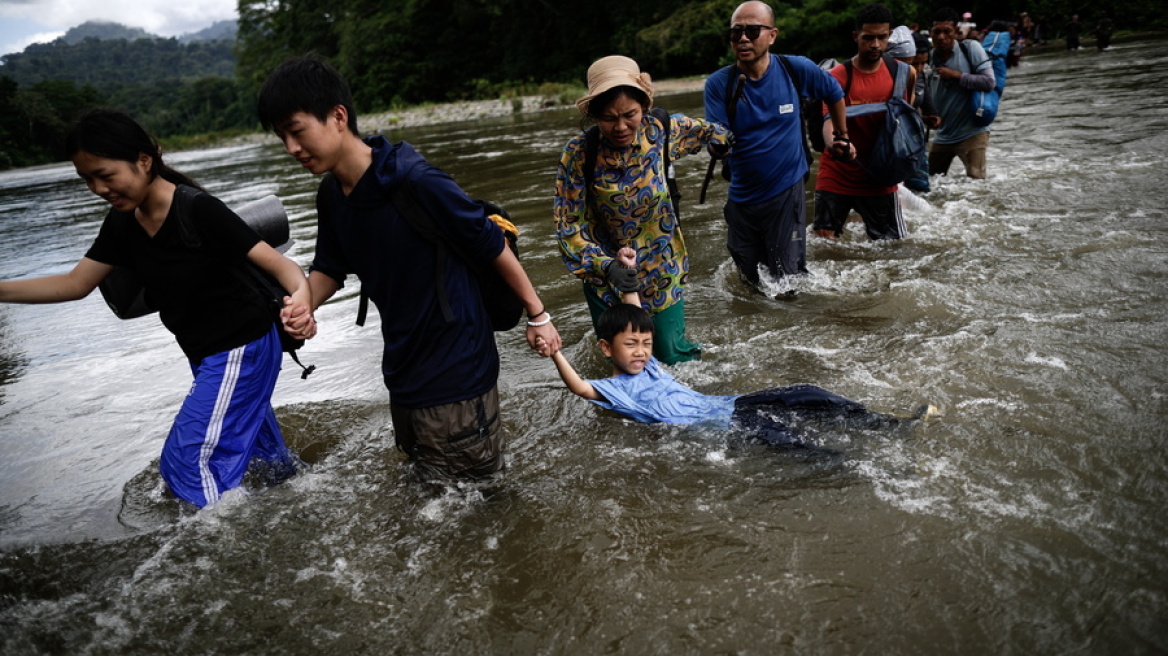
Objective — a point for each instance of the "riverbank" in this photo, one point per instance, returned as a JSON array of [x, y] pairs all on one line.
[[469, 110], [474, 110]]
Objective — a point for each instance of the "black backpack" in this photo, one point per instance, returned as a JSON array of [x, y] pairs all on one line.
[[592, 146], [504, 309], [124, 293]]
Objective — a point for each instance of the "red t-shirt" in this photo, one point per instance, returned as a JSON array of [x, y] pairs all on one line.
[[849, 178]]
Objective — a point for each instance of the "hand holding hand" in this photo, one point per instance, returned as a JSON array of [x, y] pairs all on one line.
[[842, 149], [297, 319], [621, 278], [544, 340]]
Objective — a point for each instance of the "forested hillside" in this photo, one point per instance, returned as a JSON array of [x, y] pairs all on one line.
[[175, 86], [412, 51]]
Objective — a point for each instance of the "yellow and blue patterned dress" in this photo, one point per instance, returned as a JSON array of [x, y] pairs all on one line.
[[631, 208]]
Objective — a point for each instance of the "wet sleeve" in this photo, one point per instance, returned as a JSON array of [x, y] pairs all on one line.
[[692, 135], [715, 97], [328, 258]]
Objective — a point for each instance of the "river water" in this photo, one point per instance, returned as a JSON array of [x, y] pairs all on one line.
[[1029, 518]]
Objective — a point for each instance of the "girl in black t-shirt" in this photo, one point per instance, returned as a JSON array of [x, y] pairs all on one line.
[[222, 325]]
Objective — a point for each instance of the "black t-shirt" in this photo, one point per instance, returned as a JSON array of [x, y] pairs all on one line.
[[200, 298]]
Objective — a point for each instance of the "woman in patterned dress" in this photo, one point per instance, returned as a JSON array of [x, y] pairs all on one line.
[[627, 204]]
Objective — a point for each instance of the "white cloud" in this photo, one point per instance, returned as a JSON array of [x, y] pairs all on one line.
[[162, 17], [23, 42]]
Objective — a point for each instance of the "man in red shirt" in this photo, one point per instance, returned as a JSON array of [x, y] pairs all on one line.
[[844, 185]]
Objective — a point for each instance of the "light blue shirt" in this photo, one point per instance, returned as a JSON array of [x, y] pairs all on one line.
[[654, 396]]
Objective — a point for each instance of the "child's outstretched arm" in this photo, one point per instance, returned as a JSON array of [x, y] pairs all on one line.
[[575, 383]]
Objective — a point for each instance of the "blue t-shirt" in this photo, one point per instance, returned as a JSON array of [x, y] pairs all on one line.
[[768, 155], [654, 396]]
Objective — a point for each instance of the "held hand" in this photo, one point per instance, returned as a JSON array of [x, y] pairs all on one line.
[[297, 319], [932, 121], [718, 151], [622, 279], [843, 150], [544, 340]]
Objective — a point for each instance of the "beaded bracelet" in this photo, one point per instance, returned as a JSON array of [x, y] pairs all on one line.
[[537, 324]]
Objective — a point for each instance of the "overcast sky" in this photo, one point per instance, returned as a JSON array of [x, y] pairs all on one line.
[[23, 22]]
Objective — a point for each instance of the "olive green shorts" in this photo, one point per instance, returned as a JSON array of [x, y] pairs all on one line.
[[461, 440]]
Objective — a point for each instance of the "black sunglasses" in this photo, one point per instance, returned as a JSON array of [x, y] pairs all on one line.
[[751, 31]]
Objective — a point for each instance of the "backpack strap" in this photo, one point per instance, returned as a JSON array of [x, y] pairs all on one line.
[[184, 198], [405, 200], [662, 115], [591, 148], [322, 208], [899, 89], [799, 116], [733, 93], [969, 60], [900, 77]]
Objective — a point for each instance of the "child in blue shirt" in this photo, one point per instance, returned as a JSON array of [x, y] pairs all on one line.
[[641, 390]]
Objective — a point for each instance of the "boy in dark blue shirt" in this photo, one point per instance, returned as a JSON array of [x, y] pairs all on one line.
[[440, 363]]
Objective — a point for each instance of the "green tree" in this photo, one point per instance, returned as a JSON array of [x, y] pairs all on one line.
[[270, 30]]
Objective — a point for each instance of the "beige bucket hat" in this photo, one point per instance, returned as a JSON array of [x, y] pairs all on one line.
[[614, 71]]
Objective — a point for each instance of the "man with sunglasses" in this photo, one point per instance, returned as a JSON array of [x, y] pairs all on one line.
[[759, 99]]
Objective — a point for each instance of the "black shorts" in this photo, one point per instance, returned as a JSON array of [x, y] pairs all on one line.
[[881, 214], [774, 416]]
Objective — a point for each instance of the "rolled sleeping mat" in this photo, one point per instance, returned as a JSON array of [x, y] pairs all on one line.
[[123, 290], [267, 217]]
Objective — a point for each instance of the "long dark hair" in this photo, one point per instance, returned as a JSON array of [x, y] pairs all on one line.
[[114, 135]]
